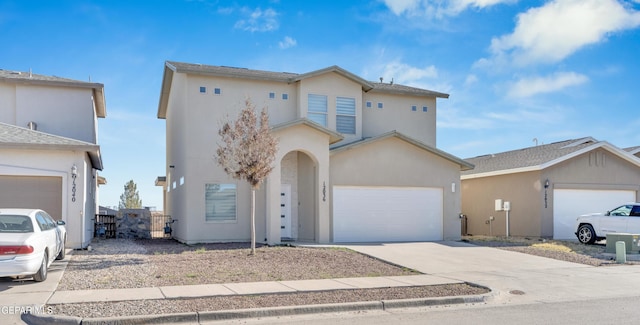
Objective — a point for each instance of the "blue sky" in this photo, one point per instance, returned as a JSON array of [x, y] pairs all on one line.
[[516, 70]]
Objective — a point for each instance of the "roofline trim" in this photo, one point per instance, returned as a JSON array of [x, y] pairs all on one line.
[[333, 136]]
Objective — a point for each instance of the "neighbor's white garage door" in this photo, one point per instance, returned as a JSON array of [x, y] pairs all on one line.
[[385, 214], [568, 204]]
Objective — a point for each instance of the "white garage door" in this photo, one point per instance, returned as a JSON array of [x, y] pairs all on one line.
[[569, 204], [385, 214]]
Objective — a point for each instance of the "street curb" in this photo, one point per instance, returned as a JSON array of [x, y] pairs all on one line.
[[197, 317]]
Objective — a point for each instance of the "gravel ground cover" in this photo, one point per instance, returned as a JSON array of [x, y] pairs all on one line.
[[119, 263], [569, 251]]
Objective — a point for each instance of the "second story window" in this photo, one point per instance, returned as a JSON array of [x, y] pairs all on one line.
[[414, 108], [272, 95], [346, 115], [318, 109], [285, 96], [380, 106], [369, 104], [217, 91], [203, 89]]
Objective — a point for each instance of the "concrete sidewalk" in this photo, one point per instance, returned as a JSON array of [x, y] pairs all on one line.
[[247, 288]]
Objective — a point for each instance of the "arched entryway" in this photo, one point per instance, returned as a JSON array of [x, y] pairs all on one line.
[[298, 177]]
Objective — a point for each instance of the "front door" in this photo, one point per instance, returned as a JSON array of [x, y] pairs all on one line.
[[285, 211]]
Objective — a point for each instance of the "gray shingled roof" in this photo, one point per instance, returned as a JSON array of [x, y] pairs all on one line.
[[632, 149], [289, 77], [527, 157], [12, 136]]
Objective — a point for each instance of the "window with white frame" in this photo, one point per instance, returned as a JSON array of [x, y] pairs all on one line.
[[285, 96], [380, 105], [272, 95], [346, 115], [318, 109], [414, 108], [217, 91], [203, 89], [369, 105], [220, 202], [425, 108]]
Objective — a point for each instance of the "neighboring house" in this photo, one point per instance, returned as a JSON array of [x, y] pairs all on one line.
[[49, 156], [356, 161], [548, 186], [634, 151]]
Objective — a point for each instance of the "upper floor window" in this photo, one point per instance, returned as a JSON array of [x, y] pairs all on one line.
[[272, 95], [285, 96], [380, 106], [425, 108], [414, 108], [217, 91], [346, 115], [318, 109], [369, 104], [203, 89]]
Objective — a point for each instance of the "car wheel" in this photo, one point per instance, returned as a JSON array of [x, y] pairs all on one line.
[[41, 275], [62, 251], [586, 235]]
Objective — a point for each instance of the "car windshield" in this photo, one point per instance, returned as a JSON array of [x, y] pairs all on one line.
[[13, 223]]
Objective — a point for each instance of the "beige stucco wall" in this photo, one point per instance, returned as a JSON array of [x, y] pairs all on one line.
[[63, 111], [526, 192], [523, 190], [394, 162], [77, 214], [397, 115]]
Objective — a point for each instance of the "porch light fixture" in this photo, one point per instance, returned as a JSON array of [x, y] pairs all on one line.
[[546, 183], [74, 175]]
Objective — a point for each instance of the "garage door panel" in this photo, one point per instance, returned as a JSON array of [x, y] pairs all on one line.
[[32, 192], [568, 204], [365, 214]]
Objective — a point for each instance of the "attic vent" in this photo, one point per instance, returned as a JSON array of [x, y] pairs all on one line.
[[32, 126]]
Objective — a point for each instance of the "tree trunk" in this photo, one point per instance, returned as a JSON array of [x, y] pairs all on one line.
[[253, 221]]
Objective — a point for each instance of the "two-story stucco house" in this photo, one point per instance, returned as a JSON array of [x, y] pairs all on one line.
[[356, 161], [49, 153]]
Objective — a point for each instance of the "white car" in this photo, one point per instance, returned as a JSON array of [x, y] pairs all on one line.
[[623, 219], [30, 240]]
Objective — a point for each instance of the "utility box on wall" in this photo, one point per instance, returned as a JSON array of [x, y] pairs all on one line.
[[499, 205]]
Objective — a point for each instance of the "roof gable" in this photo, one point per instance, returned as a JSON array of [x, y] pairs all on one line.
[[333, 136], [464, 165], [29, 78], [15, 137], [539, 157]]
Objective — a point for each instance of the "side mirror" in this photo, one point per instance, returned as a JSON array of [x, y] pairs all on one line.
[[60, 223]]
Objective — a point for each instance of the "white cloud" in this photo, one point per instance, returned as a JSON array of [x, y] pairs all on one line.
[[438, 8], [531, 86], [470, 80], [406, 74], [558, 29], [287, 42], [258, 20]]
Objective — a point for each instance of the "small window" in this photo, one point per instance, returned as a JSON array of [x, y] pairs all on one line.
[[181, 180], [414, 108], [346, 115], [203, 90], [272, 95], [285, 96], [317, 109], [425, 109], [369, 105], [220, 202], [380, 106], [217, 91]]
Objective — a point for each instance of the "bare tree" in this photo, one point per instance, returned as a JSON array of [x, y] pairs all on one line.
[[247, 152]]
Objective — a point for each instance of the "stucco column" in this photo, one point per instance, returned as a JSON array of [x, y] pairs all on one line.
[[323, 199], [273, 185]]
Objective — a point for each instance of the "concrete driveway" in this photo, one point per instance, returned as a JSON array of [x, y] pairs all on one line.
[[17, 294], [513, 277]]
